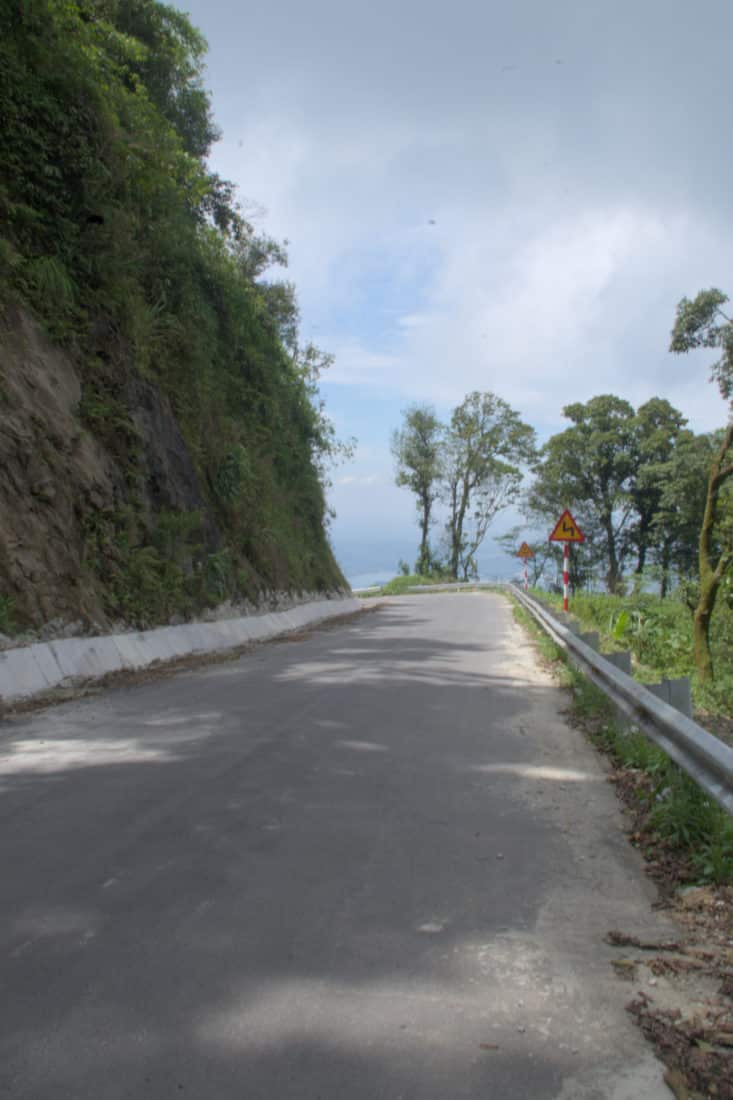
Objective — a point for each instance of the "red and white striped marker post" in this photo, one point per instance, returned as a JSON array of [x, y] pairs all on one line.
[[566, 531], [565, 575], [525, 552]]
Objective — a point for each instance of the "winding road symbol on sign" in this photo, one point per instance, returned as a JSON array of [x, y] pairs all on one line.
[[567, 530]]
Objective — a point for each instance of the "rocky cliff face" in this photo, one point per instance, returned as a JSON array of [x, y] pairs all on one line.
[[53, 474], [74, 510], [162, 438]]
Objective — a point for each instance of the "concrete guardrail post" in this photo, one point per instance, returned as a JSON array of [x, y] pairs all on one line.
[[621, 660], [675, 692]]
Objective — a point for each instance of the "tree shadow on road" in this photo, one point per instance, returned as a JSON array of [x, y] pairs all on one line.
[[285, 877]]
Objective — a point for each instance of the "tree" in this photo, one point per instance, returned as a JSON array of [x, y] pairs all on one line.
[[169, 62], [485, 445], [682, 485], [588, 468], [656, 431], [416, 448], [701, 323], [545, 553]]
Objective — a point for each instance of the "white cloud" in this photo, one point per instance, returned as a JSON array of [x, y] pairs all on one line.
[[464, 213], [529, 317], [357, 366], [363, 479], [580, 305]]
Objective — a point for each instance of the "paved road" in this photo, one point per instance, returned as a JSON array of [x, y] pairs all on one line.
[[372, 862]]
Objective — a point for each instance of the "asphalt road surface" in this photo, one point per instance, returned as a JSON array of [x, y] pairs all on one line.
[[370, 862]]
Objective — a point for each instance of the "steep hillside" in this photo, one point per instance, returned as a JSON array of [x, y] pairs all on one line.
[[161, 438]]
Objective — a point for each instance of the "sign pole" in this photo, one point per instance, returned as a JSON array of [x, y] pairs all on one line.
[[565, 574], [566, 531], [525, 553]]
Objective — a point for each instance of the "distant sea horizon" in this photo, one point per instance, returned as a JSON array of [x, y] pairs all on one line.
[[367, 559], [496, 567]]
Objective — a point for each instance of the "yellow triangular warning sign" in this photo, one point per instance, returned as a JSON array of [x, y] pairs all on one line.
[[567, 530], [525, 551]]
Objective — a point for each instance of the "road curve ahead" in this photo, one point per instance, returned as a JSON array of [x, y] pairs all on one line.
[[371, 862]]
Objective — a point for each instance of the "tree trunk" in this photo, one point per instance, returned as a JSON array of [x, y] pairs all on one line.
[[424, 556], [710, 577], [612, 577], [701, 634], [451, 526], [664, 586], [458, 515], [642, 558]]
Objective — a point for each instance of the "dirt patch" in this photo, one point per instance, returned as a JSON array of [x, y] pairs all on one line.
[[685, 1001], [682, 988], [669, 867], [717, 724]]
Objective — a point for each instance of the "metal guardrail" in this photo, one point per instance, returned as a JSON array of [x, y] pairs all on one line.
[[705, 758], [456, 586]]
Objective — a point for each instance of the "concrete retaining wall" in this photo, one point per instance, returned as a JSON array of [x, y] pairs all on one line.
[[32, 670]]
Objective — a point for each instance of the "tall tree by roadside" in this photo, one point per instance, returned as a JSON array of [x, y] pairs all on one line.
[[656, 432], [588, 467], [702, 323], [682, 481], [486, 443], [416, 448]]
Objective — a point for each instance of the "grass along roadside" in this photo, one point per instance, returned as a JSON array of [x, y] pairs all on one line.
[[684, 835], [398, 586], [659, 635], [683, 1001], [401, 585]]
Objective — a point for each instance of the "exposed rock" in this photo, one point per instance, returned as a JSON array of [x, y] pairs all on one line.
[[170, 479], [73, 496], [58, 477], [51, 468]]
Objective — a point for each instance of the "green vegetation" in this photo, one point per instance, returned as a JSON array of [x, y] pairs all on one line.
[[472, 465], [416, 449], [613, 468], [702, 323], [648, 491], [673, 812], [139, 261], [659, 634], [400, 584]]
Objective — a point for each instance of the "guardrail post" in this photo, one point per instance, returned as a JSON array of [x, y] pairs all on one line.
[[571, 624], [621, 660], [675, 692], [593, 639], [679, 695]]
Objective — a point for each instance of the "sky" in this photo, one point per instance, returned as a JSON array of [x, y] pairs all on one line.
[[505, 197]]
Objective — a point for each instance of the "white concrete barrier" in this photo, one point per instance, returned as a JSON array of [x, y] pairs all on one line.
[[34, 669]]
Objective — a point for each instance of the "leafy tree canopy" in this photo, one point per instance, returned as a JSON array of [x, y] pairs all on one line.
[[588, 468], [417, 452], [702, 323]]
